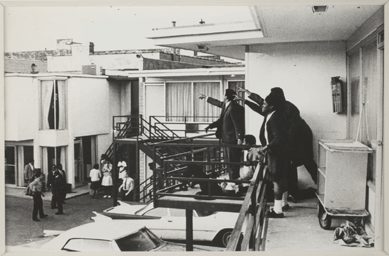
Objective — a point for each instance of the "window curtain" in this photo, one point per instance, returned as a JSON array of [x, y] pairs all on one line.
[[203, 111], [47, 93], [178, 101], [62, 104]]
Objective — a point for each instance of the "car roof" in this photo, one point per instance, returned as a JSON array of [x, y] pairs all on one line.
[[104, 230]]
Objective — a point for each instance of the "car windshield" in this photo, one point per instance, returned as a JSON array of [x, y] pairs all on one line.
[[143, 240]]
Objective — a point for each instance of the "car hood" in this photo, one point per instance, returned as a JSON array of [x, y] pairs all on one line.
[[125, 209]]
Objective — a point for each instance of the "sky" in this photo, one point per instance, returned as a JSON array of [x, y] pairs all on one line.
[[108, 27]]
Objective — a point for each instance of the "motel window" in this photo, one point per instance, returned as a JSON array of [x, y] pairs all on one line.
[[10, 165], [183, 103], [53, 109]]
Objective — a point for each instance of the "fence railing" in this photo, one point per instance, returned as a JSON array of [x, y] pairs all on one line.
[[251, 221]]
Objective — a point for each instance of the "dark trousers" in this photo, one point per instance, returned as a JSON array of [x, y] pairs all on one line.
[[53, 201], [311, 167], [233, 155], [124, 197], [38, 206], [59, 203]]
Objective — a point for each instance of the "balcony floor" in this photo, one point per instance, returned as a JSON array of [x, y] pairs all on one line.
[[300, 229]]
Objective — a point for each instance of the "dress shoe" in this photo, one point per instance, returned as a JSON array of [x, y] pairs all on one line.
[[273, 214], [58, 213], [43, 216], [35, 219]]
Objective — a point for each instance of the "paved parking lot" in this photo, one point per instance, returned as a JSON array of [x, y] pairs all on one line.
[[20, 229]]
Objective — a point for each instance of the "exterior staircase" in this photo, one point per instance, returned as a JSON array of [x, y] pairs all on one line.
[[147, 136]]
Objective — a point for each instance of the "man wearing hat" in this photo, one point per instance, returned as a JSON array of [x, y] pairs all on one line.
[[230, 129]]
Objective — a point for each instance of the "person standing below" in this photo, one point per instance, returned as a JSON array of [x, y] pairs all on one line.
[[274, 143], [58, 191], [127, 187], [230, 129], [107, 181], [63, 175], [29, 175], [95, 176], [122, 167], [36, 188], [50, 182], [299, 136]]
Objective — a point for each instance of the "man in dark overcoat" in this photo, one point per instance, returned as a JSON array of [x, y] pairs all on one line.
[[231, 130]]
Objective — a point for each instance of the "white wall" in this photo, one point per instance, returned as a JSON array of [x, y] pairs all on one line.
[[88, 107], [21, 108], [303, 71]]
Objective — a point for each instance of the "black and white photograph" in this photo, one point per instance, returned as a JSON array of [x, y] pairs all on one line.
[[245, 126]]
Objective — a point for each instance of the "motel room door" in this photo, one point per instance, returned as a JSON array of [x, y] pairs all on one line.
[[78, 162]]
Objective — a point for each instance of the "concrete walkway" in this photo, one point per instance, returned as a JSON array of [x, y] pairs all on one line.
[[21, 192], [300, 231]]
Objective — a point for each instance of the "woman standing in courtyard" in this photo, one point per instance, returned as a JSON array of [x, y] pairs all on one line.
[[106, 170]]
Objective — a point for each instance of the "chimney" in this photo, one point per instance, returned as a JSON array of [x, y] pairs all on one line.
[[91, 48], [174, 23]]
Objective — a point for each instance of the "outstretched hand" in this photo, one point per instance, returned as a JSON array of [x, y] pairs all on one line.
[[240, 89], [237, 98], [202, 96]]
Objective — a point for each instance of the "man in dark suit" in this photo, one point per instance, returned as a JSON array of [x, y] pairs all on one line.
[[230, 129], [58, 191], [63, 175], [50, 184]]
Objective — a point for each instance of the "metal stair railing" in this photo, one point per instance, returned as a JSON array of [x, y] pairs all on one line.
[[124, 128]]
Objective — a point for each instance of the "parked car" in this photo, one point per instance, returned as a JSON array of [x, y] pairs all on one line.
[[111, 236], [170, 223]]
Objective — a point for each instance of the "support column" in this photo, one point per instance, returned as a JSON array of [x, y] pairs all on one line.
[[189, 230], [70, 165]]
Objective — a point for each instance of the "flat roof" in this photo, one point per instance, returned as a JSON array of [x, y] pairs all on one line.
[[39, 75], [180, 72]]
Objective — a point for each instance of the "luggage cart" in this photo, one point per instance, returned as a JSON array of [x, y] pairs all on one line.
[[341, 184]]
